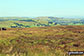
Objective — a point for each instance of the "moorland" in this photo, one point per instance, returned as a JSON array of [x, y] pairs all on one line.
[[40, 36]]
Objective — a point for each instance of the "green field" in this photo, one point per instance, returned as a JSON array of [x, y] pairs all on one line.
[[22, 22]]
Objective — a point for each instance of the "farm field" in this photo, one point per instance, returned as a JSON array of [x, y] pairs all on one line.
[[41, 41], [26, 22]]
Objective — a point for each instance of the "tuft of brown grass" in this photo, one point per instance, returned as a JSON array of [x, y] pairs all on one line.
[[41, 41]]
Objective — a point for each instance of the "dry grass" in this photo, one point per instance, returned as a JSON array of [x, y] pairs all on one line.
[[41, 41]]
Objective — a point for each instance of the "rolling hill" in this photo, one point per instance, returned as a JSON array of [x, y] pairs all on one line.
[[26, 22]]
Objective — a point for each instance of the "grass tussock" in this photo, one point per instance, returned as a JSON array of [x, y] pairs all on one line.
[[41, 41]]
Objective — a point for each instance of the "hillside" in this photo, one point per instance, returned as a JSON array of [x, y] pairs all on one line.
[[41, 41], [25, 22]]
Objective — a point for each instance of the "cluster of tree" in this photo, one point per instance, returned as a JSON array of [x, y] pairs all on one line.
[[18, 25]]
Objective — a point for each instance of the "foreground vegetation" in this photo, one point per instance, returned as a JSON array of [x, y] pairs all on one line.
[[41, 41]]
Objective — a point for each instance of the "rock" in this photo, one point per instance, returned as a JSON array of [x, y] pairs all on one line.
[[3, 29]]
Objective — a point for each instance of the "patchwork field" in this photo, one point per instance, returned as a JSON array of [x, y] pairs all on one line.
[[26, 22], [41, 41]]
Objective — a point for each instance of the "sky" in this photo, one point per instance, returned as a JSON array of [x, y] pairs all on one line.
[[36, 8]]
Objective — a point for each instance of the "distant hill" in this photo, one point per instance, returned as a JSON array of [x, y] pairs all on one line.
[[24, 22]]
